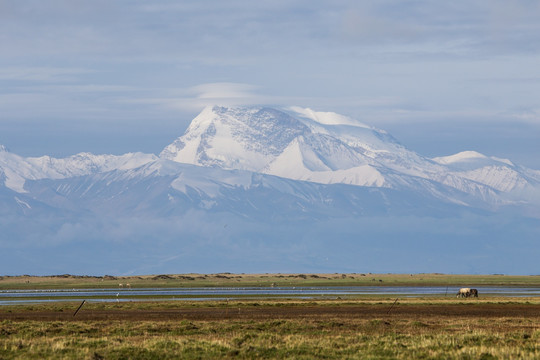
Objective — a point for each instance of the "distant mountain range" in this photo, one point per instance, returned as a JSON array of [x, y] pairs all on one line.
[[261, 189]]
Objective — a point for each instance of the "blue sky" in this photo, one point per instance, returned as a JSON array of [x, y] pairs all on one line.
[[127, 75]]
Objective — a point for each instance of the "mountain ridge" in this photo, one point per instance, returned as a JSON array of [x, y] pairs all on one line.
[[261, 189], [298, 144], [336, 149]]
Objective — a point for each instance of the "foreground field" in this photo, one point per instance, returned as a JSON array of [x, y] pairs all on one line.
[[360, 329]]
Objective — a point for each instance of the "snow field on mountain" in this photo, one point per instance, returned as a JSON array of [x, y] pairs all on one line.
[[298, 144], [330, 148]]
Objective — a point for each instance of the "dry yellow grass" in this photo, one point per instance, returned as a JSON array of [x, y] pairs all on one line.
[[363, 329]]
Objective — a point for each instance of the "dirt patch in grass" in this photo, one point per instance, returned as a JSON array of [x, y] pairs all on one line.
[[283, 311]]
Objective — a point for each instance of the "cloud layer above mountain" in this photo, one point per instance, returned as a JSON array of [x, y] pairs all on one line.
[[123, 76]]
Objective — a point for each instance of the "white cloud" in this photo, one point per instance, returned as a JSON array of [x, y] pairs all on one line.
[[526, 115], [199, 96], [224, 91]]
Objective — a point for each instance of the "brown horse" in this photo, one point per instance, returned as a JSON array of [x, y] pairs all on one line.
[[474, 293]]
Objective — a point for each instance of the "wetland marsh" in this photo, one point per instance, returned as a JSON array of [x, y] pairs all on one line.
[[362, 327]]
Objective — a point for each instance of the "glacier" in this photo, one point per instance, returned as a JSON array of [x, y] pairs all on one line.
[[260, 189]]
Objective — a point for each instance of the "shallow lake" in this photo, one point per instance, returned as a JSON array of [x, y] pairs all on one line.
[[9, 297]]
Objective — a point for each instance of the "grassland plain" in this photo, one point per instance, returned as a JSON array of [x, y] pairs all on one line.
[[246, 280], [369, 327], [429, 328]]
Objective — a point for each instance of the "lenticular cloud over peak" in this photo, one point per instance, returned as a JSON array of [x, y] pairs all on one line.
[[257, 189]]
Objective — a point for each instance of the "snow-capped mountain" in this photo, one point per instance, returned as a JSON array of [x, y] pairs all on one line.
[[500, 174], [297, 144], [17, 169], [265, 140], [272, 183], [328, 148]]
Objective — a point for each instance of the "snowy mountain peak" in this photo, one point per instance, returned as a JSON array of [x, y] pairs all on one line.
[[268, 140], [327, 148], [471, 159], [497, 173], [3, 148], [235, 138], [18, 169], [327, 118], [460, 157]]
